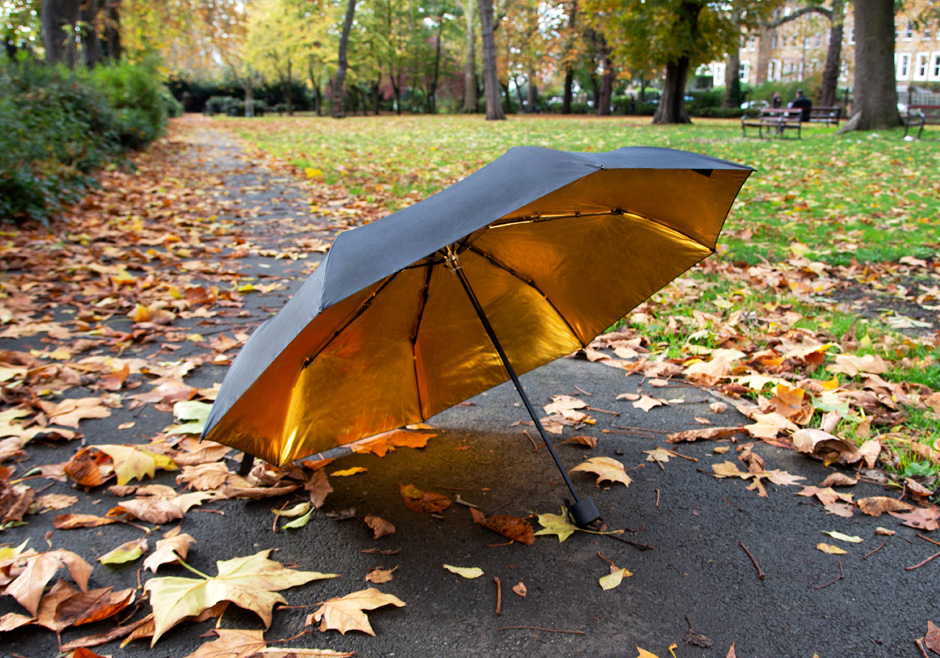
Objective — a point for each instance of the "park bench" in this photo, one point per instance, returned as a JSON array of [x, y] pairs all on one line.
[[919, 116], [776, 121], [825, 114]]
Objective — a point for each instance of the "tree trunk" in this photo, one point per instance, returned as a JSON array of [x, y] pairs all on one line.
[[58, 24], [533, 99], [112, 30], [830, 76], [507, 99], [876, 96], [732, 80], [339, 111], [288, 87], [569, 65], [522, 105], [671, 108], [249, 96], [606, 94], [88, 29], [490, 80], [432, 88], [470, 63]]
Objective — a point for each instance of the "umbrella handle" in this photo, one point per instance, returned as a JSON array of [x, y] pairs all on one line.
[[583, 512]]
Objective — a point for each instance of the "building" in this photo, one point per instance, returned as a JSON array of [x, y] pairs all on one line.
[[797, 49]]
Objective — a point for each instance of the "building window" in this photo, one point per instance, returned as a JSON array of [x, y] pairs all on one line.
[[852, 35], [920, 66], [934, 71], [908, 31], [904, 66], [752, 44], [817, 40], [744, 71], [926, 36], [774, 42], [785, 39]]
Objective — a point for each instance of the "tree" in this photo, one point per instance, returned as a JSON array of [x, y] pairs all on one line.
[[673, 35], [339, 111], [876, 96], [470, 59], [59, 31], [494, 112]]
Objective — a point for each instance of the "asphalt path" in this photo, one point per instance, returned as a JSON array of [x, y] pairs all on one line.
[[741, 569]]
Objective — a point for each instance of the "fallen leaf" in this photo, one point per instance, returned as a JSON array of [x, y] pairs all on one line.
[[170, 550], [230, 643], [349, 471], [380, 527], [381, 444], [838, 535], [832, 550], [345, 613], [645, 654], [884, 532], [27, 587], [71, 412], [379, 575], [510, 527], [56, 501], [127, 552], [465, 572], [584, 440], [605, 468], [660, 455], [423, 501], [519, 588], [72, 521], [823, 445], [160, 504], [838, 480], [646, 403], [878, 505], [250, 582], [708, 433], [614, 578], [299, 522], [932, 639], [556, 524], [922, 518]]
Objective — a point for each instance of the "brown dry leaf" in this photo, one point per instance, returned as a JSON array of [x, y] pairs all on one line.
[[379, 526], [646, 403], [72, 521], [381, 444], [27, 587], [56, 501], [823, 445], [13, 620], [239, 487], [160, 504], [423, 501], [659, 455], [837, 479], [584, 440], [769, 426], [171, 549], [380, 575], [922, 518], [709, 433], [204, 477], [87, 607], [791, 403], [346, 613], [520, 589], [15, 500], [71, 412], [718, 407], [878, 505], [563, 403], [511, 527], [932, 639], [606, 468], [231, 643], [89, 467], [852, 365], [318, 487]]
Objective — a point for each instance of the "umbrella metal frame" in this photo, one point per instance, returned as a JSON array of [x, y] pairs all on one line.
[[583, 512]]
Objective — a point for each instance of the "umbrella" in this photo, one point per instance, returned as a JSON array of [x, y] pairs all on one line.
[[522, 262]]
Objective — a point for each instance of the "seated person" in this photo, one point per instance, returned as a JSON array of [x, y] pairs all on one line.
[[803, 103]]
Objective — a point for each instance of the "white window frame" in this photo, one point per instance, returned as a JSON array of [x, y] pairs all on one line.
[[903, 71], [921, 65], [852, 35], [933, 68], [744, 71], [909, 31]]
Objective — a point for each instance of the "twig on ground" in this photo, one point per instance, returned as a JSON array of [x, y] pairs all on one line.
[[760, 572], [657, 499], [932, 541], [545, 630], [918, 566], [740, 509], [604, 411], [875, 550], [499, 596], [535, 446], [496, 509], [581, 390], [648, 436], [641, 429], [835, 580], [642, 547]]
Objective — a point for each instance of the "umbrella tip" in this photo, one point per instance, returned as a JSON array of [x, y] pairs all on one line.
[[583, 513]]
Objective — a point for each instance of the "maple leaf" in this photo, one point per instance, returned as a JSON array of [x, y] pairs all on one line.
[[646, 403], [878, 505], [380, 527], [230, 643], [423, 501], [135, 462], [160, 504], [379, 575], [71, 412], [65, 606], [72, 521], [28, 586], [511, 527], [196, 414], [381, 444], [562, 403], [345, 613], [932, 639], [769, 426], [556, 524], [171, 549], [204, 477], [823, 445], [249, 582], [922, 518], [709, 433], [584, 440], [606, 468]]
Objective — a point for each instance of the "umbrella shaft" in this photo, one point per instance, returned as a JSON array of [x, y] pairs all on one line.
[[515, 379]]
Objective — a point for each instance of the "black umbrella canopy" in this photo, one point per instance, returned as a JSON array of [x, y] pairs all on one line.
[[557, 246]]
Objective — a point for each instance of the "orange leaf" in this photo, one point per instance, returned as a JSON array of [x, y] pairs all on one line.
[[511, 527], [423, 501]]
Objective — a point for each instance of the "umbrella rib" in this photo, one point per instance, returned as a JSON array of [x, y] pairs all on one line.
[[414, 333], [492, 260], [359, 311]]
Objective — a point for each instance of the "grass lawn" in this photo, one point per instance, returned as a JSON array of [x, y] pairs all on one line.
[[833, 235]]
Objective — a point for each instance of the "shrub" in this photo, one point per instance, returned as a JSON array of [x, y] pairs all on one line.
[[137, 95]]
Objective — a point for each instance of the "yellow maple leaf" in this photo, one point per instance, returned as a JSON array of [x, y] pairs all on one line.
[[606, 468], [346, 613]]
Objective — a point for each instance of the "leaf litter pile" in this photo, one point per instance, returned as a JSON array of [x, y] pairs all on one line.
[[119, 308]]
